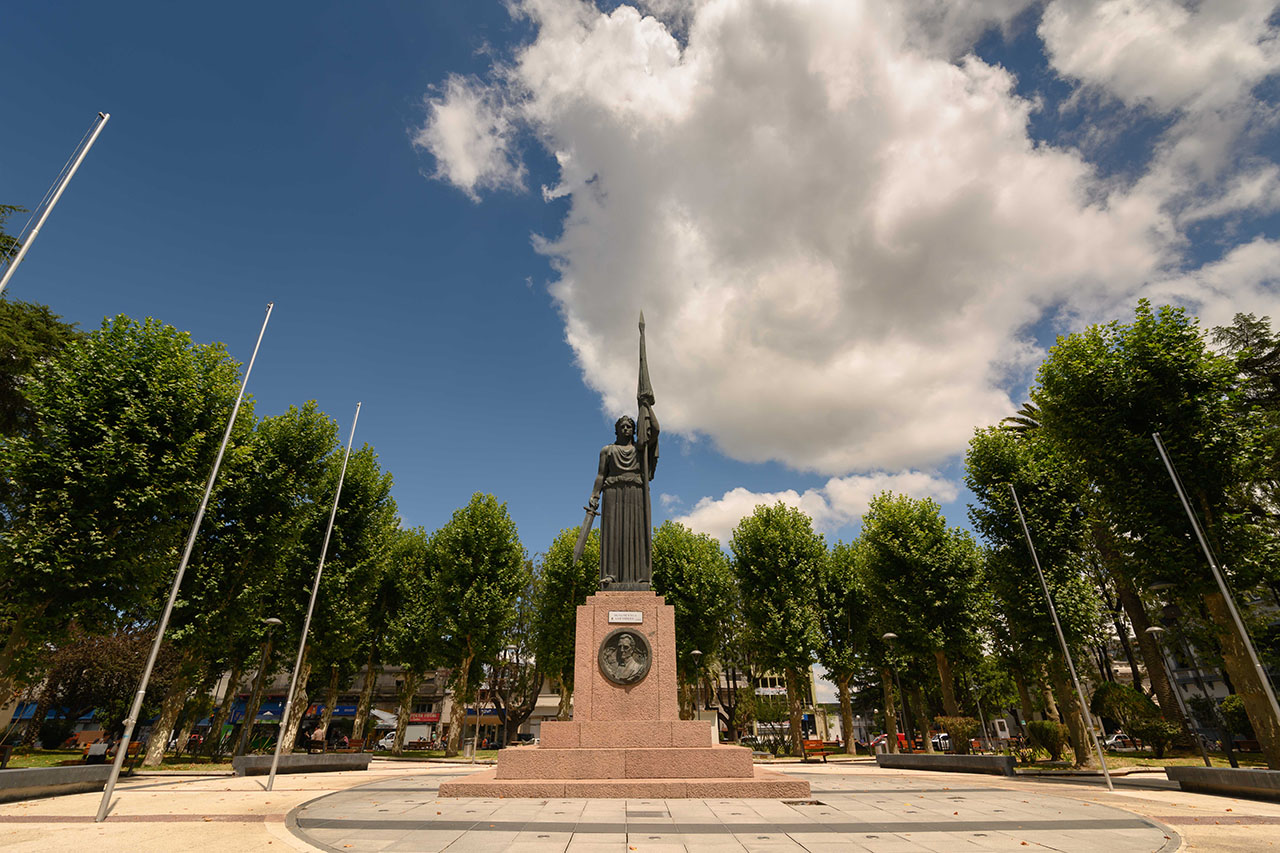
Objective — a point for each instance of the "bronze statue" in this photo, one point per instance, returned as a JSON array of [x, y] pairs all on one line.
[[626, 467]]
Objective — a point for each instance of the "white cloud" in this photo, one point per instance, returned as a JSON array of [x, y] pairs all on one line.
[[1246, 279], [840, 502], [835, 221], [1165, 54]]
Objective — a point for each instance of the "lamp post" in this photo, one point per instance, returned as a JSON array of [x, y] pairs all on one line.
[[901, 710], [1157, 634]]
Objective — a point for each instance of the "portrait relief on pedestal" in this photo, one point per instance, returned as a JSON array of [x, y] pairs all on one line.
[[625, 656]]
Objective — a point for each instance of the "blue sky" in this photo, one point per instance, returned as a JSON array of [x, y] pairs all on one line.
[[853, 227]]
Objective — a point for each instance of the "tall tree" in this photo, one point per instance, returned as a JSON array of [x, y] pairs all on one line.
[[693, 575], [845, 625], [565, 585], [103, 487], [1102, 393], [479, 572], [413, 629], [926, 580], [778, 559]]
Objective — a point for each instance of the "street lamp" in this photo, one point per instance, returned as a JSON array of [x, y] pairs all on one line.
[[890, 638], [259, 681], [1157, 634]]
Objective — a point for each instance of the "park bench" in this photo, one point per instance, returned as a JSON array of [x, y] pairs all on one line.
[[818, 747], [421, 745], [353, 745]]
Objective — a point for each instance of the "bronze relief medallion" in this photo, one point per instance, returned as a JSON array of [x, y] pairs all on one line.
[[625, 656]]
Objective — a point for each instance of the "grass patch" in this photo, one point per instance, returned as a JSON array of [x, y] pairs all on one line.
[[27, 757], [481, 754]]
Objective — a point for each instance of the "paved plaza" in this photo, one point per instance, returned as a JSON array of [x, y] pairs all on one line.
[[854, 807]]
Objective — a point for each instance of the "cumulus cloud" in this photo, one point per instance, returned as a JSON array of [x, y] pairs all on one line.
[[833, 214], [840, 502]]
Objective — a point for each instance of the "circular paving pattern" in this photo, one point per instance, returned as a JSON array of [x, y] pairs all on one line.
[[848, 812]]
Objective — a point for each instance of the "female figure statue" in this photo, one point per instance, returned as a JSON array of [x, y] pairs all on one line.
[[626, 467]]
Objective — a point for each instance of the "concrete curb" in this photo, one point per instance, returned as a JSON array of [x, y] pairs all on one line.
[[260, 765], [27, 783], [996, 765], [1230, 781]]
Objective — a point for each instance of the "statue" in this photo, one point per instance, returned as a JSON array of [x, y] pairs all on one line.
[[626, 467]]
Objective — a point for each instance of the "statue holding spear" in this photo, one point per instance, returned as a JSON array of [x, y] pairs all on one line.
[[626, 467]]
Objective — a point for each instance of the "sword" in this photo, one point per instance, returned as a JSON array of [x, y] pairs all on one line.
[[583, 533]]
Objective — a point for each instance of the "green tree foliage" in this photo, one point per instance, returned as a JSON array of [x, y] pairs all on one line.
[[9, 244], [692, 574], [1102, 393], [778, 559], [30, 334], [127, 422], [926, 581], [1121, 703], [1155, 733], [515, 679], [845, 625], [479, 570], [413, 630], [565, 585], [1235, 716]]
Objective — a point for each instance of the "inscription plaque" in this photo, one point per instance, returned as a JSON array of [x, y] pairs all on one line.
[[625, 617]]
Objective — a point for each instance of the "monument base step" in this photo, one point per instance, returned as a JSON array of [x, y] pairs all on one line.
[[702, 762], [764, 784]]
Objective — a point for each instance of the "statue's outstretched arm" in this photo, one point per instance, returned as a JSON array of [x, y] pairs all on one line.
[[599, 483]]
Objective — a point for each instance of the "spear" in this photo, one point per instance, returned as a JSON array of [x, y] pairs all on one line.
[[645, 399]]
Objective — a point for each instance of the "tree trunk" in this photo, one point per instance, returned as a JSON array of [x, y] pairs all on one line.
[[32, 733], [846, 715], [366, 699], [254, 701], [330, 699], [923, 715], [1152, 656], [1046, 691], [1235, 659], [1024, 699], [299, 706], [163, 729], [408, 687], [1069, 706], [188, 723], [908, 716], [890, 713], [460, 691], [13, 646], [565, 710], [214, 743], [685, 697], [795, 704], [948, 684]]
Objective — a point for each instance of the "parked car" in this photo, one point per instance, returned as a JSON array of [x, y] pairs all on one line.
[[884, 738], [941, 741], [1119, 740], [388, 740]]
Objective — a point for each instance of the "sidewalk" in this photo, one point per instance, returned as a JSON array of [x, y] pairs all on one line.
[[393, 807]]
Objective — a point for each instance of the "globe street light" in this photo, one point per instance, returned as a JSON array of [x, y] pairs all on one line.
[[1157, 634]]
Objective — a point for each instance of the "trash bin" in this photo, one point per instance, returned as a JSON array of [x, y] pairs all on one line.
[[467, 749], [882, 747]]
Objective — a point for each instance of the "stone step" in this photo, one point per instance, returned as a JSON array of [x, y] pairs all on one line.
[[762, 784], [556, 734], [708, 762]]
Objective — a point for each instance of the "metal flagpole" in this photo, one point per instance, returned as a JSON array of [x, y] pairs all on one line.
[[123, 747], [48, 208], [1057, 626], [315, 590], [1221, 581]]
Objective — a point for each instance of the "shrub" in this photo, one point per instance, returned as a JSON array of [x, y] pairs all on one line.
[[1156, 733], [1049, 736], [961, 729], [1121, 703], [1237, 719], [54, 732]]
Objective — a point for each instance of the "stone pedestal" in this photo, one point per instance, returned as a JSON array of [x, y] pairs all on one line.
[[626, 740]]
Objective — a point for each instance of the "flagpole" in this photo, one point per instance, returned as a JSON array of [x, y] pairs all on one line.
[[306, 625], [123, 747], [48, 208]]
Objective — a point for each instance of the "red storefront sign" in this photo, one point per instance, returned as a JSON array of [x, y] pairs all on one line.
[[425, 718]]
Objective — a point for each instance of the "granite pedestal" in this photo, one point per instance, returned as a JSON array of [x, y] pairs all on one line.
[[626, 740]]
